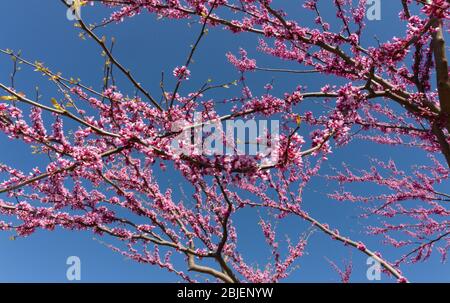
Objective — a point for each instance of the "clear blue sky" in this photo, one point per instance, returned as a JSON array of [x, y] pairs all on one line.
[[148, 46]]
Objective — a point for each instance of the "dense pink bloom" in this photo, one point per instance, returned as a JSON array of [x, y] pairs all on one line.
[[243, 63], [111, 152]]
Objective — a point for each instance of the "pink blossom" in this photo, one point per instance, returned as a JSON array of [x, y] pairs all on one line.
[[243, 64], [181, 72]]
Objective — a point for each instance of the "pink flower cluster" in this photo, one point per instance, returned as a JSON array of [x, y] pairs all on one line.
[[244, 63], [110, 152], [181, 72]]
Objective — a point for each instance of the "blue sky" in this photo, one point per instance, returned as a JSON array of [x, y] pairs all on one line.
[[148, 46]]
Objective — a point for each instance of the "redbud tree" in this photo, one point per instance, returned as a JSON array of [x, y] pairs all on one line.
[[109, 149]]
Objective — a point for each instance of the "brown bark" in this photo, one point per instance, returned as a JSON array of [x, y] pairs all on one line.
[[442, 78]]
